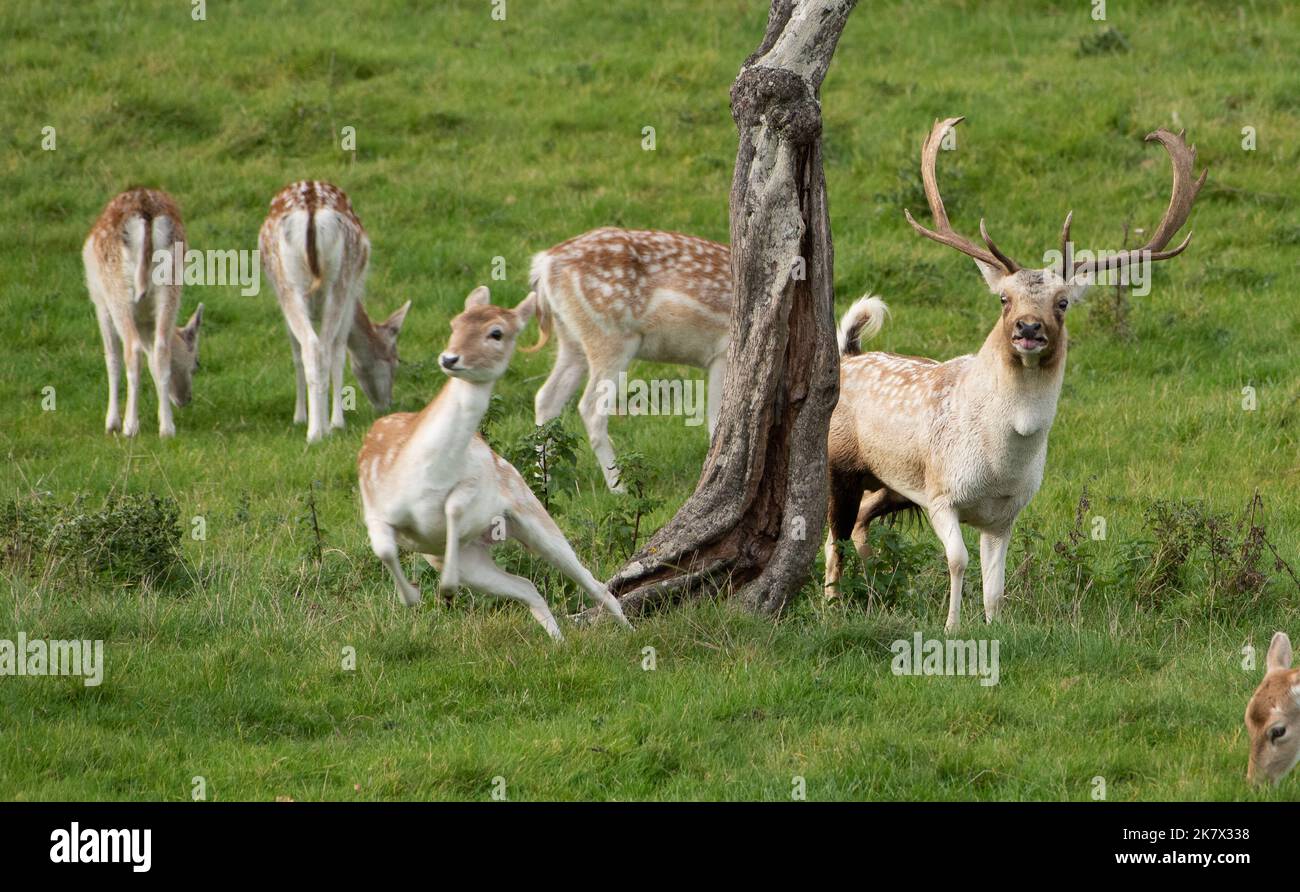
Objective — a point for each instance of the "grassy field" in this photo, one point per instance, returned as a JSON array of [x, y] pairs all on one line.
[[1121, 658]]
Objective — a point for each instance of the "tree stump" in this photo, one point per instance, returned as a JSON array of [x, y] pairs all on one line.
[[753, 525]]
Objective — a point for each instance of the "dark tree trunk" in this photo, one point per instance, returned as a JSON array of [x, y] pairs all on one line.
[[752, 527]]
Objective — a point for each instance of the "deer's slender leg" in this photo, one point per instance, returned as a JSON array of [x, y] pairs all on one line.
[[993, 566], [338, 352], [871, 508], [300, 403], [479, 573], [313, 359], [335, 324], [948, 527], [113, 362], [717, 373], [131, 348], [435, 562], [845, 494], [160, 364], [532, 526], [453, 509], [598, 400], [562, 383], [383, 542]]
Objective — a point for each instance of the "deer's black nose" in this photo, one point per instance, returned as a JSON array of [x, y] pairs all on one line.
[[449, 360], [1028, 329]]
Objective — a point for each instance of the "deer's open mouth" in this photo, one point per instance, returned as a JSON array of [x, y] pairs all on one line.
[[1031, 344]]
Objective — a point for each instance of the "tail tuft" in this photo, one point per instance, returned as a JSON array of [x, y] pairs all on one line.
[[313, 262], [146, 253], [538, 274], [862, 322]]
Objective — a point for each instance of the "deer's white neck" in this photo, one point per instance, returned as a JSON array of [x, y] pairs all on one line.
[[1020, 400], [449, 423]]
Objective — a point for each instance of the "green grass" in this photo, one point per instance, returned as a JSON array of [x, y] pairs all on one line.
[[479, 139]]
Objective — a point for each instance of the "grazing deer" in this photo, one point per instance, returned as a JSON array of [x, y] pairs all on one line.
[[1273, 717], [316, 252], [966, 440], [614, 295], [430, 483], [136, 313]]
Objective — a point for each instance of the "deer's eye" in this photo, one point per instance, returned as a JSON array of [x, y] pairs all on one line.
[[495, 334], [1004, 300], [1063, 305], [1277, 733]]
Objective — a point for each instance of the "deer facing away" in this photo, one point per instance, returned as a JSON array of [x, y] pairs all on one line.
[[966, 440], [138, 232], [316, 252], [1273, 716], [613, 295], [430, 483]]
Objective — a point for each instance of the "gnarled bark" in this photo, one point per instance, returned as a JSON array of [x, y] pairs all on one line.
[[753, 524]]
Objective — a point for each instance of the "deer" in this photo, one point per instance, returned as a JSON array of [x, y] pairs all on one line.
[[430, 483], [317, 252], [130, 263], [965, 441], [613, 295], [1273, 717]]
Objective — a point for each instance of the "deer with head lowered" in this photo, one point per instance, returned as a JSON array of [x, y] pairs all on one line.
[[966, 440], [316, 253], [430, 483], [614, 295], [1273, 717], [134, 238]]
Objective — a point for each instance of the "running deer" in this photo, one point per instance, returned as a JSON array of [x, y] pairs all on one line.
[[132, 241], [1273, 717], [614, 295], [966, 440], [316, 252], [430, 483]]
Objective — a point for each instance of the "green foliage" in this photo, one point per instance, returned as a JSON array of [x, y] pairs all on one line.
[[1193, 549], [625, 524], [901, 566], [1101, 43], [547, 457], [130, 538]]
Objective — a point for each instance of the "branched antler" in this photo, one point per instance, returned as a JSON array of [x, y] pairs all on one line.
[[1185, 190], [944, 233]]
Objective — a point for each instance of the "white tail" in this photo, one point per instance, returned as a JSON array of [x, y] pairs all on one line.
[[136, 314], [428, 480], [861, 322], [316, 253], [966, 440], [614, 295]]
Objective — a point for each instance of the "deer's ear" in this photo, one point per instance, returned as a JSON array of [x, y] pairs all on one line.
[[1077, 287], [393, 324], [479, 297], [993, 276], [190, 333], [1279, 652], [526, 308]]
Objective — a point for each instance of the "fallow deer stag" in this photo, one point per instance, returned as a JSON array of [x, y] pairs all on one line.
[[614, 295], [430, 483], [966, 440], [136, 313], [1273, 717], [316, 253]]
